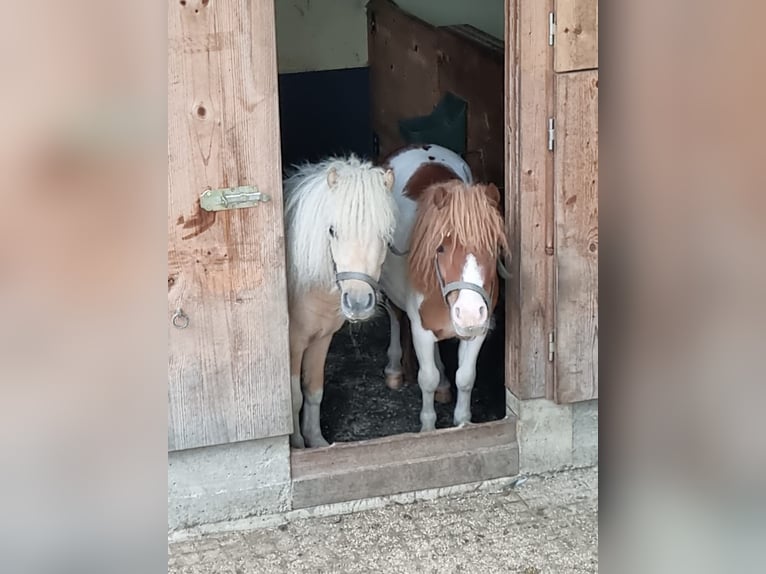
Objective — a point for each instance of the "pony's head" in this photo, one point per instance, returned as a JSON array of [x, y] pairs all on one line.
[[457, 239], [340, 221]]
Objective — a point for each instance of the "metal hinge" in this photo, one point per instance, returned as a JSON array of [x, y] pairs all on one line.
[[232, 198], [551, 346], [551, 133], [551, 28]]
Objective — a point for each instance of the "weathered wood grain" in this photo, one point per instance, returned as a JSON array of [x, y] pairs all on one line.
[[471, 66], [228, 370], [529, 198], [576, 199], [576, 44], [402, 53], [404, 463]]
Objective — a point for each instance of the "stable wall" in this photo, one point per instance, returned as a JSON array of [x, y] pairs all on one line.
[[317, 35], [324, 82]]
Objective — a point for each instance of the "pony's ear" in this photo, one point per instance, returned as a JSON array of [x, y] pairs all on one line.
[[388, 179], [332, 177], [493, 195], [441, 196]]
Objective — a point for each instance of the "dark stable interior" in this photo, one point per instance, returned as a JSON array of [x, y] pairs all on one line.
[[357, 404]]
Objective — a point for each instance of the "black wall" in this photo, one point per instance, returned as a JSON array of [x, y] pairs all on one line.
[[325, 113]]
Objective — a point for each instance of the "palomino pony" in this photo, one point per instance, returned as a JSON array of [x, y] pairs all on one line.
[[339, 221], [447, 282]]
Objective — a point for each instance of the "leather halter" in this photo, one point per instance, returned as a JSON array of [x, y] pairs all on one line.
[[356, 275], [459, 285]]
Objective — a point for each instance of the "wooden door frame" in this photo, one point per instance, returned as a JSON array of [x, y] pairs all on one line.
[[445, 457], [530, 316]]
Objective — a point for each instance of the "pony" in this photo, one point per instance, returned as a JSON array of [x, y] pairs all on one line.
[[447, 281], [339, 221]]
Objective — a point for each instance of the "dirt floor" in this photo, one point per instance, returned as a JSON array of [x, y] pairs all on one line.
[[358, 405]]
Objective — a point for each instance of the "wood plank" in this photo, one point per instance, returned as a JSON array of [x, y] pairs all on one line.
[[530, 190], [576, 198], [228, 370], [402, 55], [409, 445], [471, 66], [576, 44], [404, 463], [511, 196]]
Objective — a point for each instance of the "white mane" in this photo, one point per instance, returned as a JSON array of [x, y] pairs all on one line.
[[359, 207]]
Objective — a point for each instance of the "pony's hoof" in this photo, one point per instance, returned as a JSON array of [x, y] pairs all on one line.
[[443, 395], [394, 382], [296, 441], [316, 442]]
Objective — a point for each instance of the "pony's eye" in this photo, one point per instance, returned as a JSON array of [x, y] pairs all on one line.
[[440, 249], [332, 231]]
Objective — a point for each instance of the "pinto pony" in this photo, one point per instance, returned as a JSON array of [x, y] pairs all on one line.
[[447, 281], [339, 220]]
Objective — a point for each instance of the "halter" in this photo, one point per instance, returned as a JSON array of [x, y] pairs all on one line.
[[356, 275], [459, 285]]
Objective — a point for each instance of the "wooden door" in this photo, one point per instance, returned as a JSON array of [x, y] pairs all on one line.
[[576, 38], [575, 198], [228, 376], [552, 203], [576, 215]]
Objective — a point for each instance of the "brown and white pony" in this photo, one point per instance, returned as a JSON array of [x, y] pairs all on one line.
[[442, 269], [339, 220]]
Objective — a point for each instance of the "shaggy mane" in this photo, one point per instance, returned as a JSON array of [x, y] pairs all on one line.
[[359, 206], [466, 214]]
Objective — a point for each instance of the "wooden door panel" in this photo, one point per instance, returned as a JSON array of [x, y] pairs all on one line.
[[529, 200], [576, 216], [228, 377], [576, 42]]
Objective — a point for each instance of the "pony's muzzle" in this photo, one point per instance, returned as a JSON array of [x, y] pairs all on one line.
[[358, 305], [469, 314]]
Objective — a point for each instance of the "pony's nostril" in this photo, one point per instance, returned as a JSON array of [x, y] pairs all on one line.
[[370, 300], [457, 312], [346, 301], [482, 312]]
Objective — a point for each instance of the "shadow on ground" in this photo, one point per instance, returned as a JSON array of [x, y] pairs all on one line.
[[358, 405]]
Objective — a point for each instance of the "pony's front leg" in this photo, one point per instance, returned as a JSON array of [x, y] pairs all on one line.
[[468, 352], [393, 369], [297, 347], [428, 375], [313, 387], [443, 392]]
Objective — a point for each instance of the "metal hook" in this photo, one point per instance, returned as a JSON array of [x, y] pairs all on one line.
[[180, 319]]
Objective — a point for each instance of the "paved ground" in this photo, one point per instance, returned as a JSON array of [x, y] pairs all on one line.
[[548, 524]]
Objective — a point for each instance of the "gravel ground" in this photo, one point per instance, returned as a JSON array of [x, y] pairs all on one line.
[[548, 524]]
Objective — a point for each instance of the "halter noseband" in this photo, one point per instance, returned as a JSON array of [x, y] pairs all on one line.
[[459, 285], [356, 275], [448, 288]]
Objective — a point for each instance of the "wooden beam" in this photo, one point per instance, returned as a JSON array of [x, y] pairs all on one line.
[[403, 463]]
